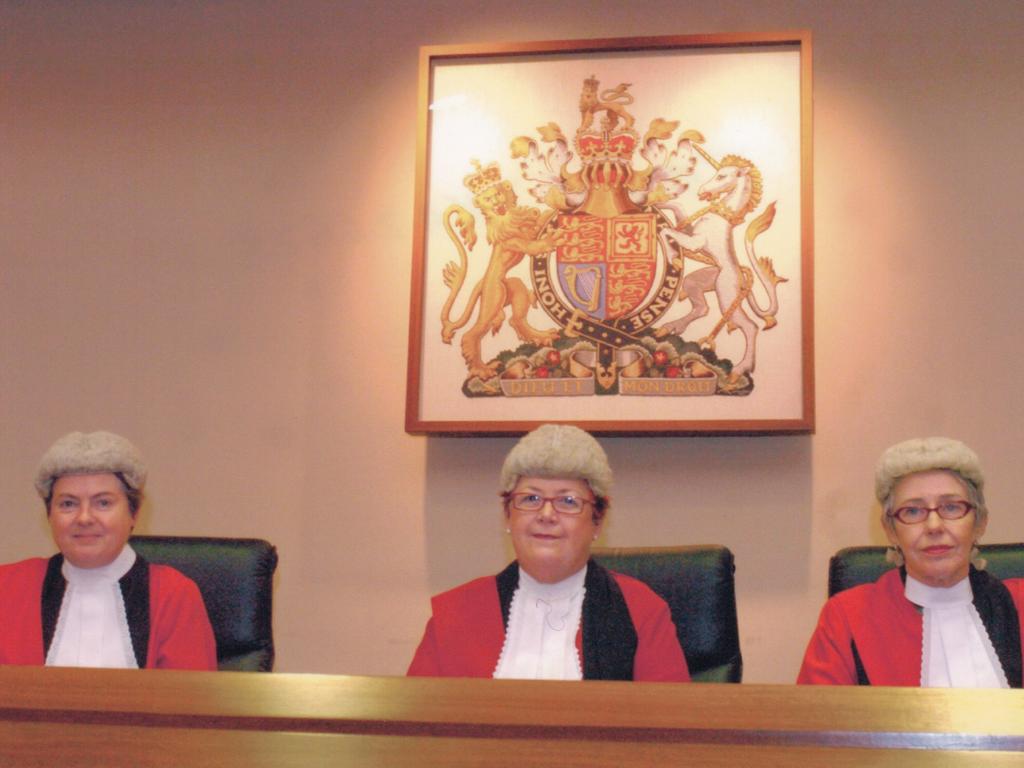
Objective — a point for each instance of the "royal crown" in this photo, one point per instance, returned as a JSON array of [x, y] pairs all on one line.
[[596, 146], [486, 176]]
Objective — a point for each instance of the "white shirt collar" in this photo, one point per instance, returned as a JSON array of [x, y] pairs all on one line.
[[104, 574], [557, 591]]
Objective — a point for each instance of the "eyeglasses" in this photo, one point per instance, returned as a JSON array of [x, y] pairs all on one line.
[[947, 510], [534, 502]]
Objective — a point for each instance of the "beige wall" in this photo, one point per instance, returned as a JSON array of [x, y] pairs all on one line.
[[205, 231]]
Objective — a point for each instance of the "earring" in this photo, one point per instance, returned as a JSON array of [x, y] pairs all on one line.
[[977, 560], [893, 555]]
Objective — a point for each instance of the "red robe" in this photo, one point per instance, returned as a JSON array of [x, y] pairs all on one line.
[[180, 636], [886, 630], [466, 633]]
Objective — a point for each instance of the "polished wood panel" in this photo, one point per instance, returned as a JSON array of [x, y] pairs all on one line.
[[151, 718]]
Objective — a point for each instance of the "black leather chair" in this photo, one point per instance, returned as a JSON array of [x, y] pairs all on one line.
[[235, 577], [698, 584], [860, 565]]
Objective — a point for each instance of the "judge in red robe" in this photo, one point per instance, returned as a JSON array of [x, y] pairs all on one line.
[[97, 603], [166, 618], [938, 620], [553, 613]]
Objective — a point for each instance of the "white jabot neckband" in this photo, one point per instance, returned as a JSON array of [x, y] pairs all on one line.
[[956, 649], [92, 627], [540, 642]]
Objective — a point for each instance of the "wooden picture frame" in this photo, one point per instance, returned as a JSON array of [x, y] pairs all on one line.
[[614, 233]]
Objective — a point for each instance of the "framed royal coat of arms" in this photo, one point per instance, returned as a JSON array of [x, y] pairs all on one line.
[[616, 234]]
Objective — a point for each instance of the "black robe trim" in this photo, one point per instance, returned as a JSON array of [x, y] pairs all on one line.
[[999, 615], [134, 592], [53, 595], [609, 637], [507, 580], [862, 675]]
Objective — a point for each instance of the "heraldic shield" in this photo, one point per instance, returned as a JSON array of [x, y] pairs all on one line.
[[606, 267]]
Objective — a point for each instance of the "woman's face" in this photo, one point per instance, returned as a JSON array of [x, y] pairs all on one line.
[[90, 518], [551, 546], [937, 552]]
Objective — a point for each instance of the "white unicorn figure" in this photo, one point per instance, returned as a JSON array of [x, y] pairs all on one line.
[[707, 236]]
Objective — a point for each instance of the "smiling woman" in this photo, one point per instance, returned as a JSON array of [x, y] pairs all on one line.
[[938, 620], [97, 603], [91, 518], [553, 613]]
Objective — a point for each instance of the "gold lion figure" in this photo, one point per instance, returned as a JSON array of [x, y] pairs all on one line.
[[612, 102], [512, 231]]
